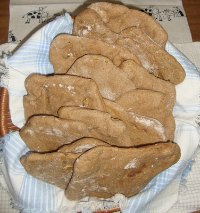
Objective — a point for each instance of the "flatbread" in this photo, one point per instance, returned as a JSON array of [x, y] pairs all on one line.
[[112, 130], [118, 17], [52, 92], [106, 128], [111, 81], [153, 62], [54, 168], [141, 129], [82, 145], [164, 60], [103, 172], [144, 80], [65, 49], [48, 133], [57, 167], [150, 104]]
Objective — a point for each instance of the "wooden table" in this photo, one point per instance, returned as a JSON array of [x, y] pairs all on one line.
[[192, 8]]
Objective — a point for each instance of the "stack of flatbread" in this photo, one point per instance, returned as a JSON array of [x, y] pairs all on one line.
[[103, 123]]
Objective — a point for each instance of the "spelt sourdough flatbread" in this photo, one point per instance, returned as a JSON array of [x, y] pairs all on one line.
[[144, 80], [48, 133], [118, 17], [57, 167], [54, 168], [82, 145], [164, 60], [52, 92], [89, 24], [141, 129], [150, 104], [111, 81], [107, 126], [65, 49], [96, 29], [103, 172]]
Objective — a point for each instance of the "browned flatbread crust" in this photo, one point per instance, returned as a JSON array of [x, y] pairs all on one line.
[[65, 49], [144, 80], [111, 81], [82, 145], [52, 92], [121, 130], [105, 125], [48, 133], [164, 60], [89, 24], [96, 29], [57, 167], [142, 129], [105, 171], [119, 17], [150, 104], [54, 168]]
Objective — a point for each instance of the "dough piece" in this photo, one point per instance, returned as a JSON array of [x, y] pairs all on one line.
[[119, 17], [96, 29], [111, 81], [82, 145], [52, 92], [141, 129], [150, 104], [111, 129], [144, 80], [65, 49], [103, 172], [164, 60], [154, 63], [54, 168], [48, 133]]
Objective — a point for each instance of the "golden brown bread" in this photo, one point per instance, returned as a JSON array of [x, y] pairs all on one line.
[[105, 171], [57, 167], [82, 145], [151, 104], [105, 124], [164, 60], [66, 49], [141, 129], [54, 168], [117, 127], [89, 24], [144, 80], [48, 133], [111, 81], [52, 92], [118, 17]]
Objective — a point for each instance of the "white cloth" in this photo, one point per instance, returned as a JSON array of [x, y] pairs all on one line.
[[32, 195]]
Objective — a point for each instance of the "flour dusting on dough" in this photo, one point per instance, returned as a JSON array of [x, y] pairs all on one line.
[[54, 131], [83, 148], [132, 164], [150, 122], [107, 93]]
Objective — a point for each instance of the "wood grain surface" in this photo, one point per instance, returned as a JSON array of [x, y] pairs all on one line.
[[192, 8]]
